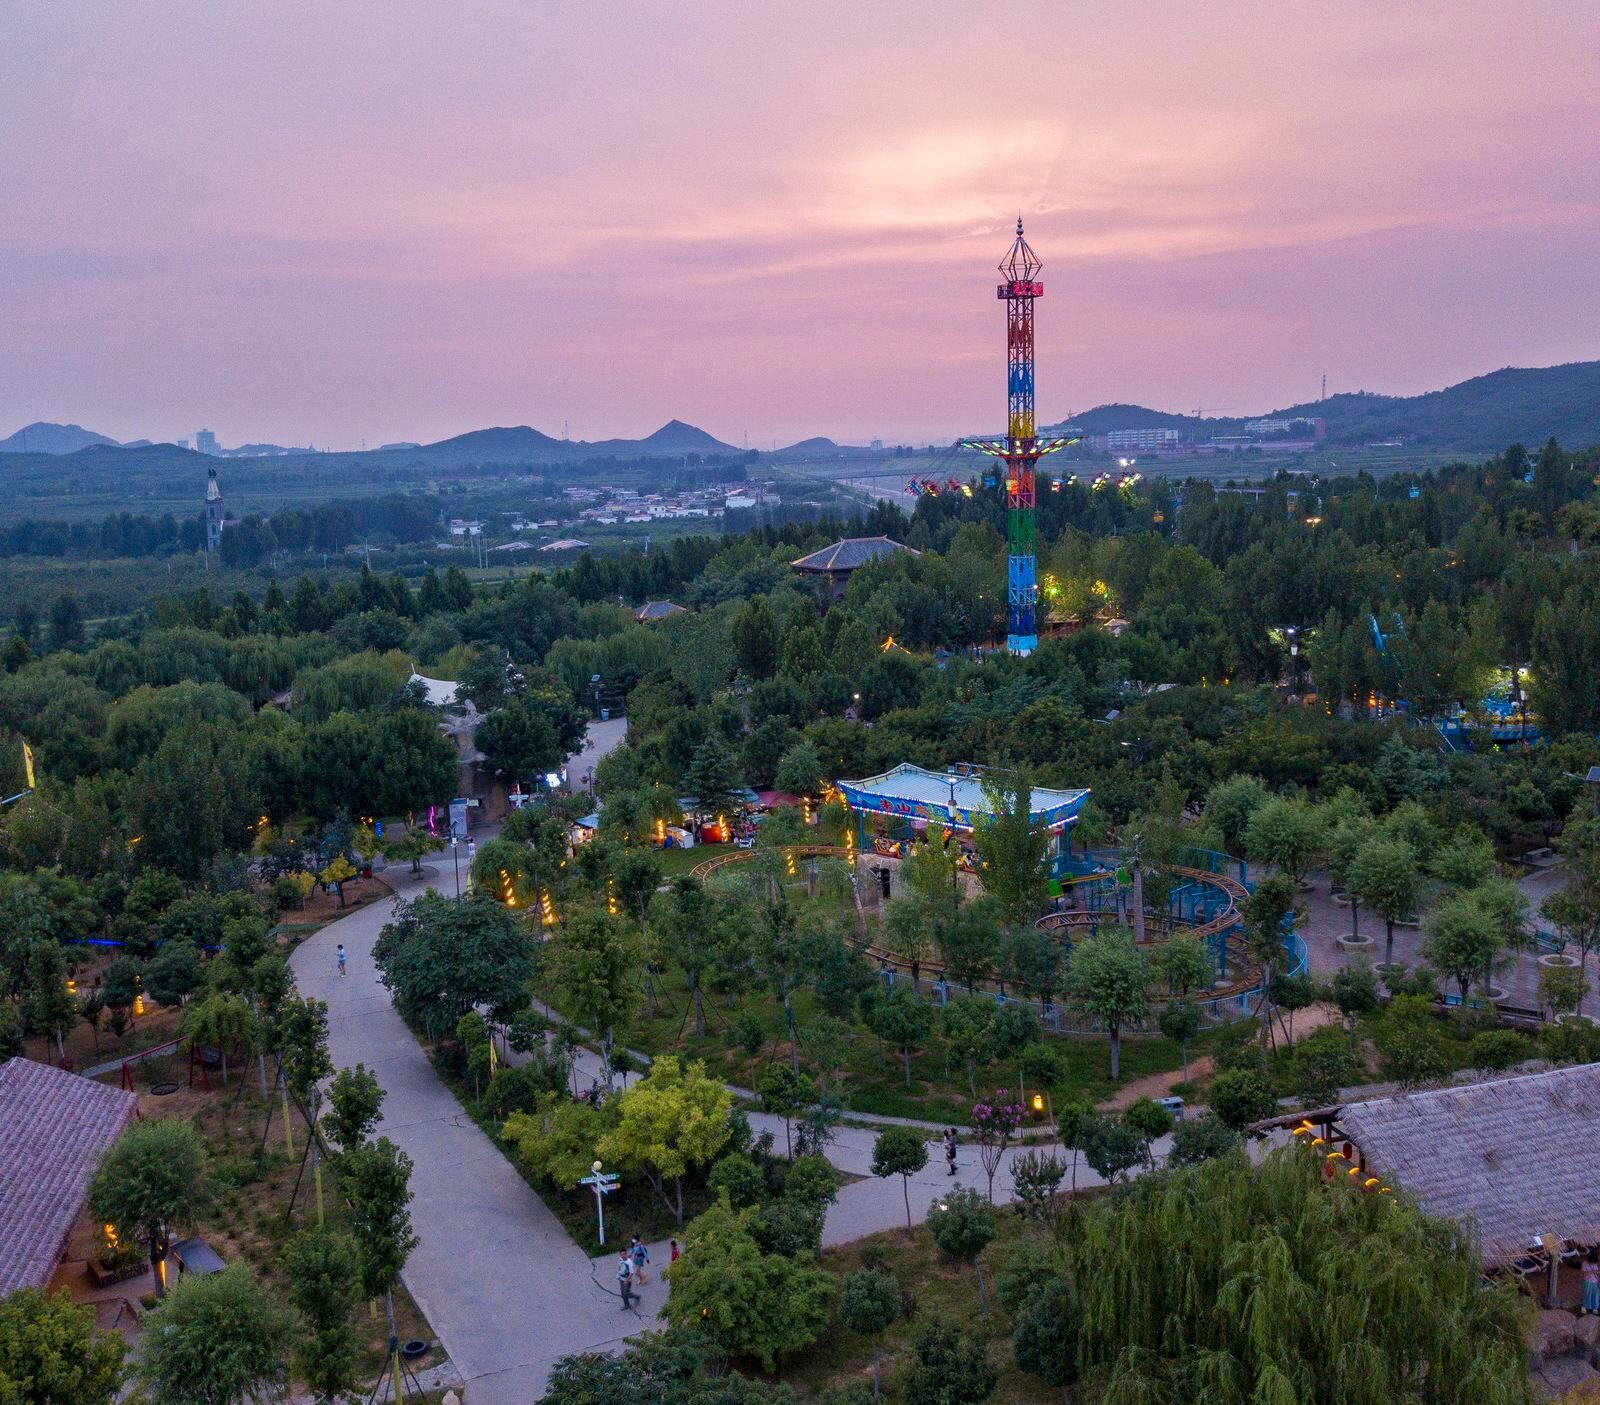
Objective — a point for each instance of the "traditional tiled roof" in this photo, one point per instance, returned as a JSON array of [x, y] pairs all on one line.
[[1519, 1157], [657, 610], [54, 1128], [846, 555]]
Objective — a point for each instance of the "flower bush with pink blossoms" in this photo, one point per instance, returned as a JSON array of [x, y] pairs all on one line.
[[996, 1120]]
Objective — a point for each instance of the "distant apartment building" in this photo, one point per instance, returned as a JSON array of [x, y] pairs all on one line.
[[461, 528], [1119, 441], [205, 442]]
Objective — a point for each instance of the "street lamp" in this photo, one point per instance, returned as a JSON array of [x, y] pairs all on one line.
[[455, 857]]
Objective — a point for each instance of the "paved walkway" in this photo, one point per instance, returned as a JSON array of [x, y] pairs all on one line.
[[494, 1272]]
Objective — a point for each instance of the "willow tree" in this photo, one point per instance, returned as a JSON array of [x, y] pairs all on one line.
[[1234, 1284]]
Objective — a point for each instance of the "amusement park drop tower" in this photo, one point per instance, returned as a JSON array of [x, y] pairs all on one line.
[[1020, 450]]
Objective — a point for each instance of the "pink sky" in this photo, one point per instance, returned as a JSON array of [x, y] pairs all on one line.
[[404, 219]]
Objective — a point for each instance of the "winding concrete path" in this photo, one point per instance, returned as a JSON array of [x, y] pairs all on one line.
[[504, 1287]]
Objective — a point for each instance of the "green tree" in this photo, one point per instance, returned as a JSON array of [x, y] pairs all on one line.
[[597, 965], [1460, 939], [967, 1022], [900, 1151], [520, 740], [1110, 977], [1346, 839], [755, 639], [1180, 1022], [218, 1339], [173, 973], [412, 847], [152, 1180], [1561, 989], [355, 1101], [1325, 1062], [51, 1352], [899, 1018], [1185, 964], [712, 777], [963, 1224], [324, 1277], [52, 1008], [1112, 1147], [1286, 833], [1011, 847], [869, 1304], [671, 1120], [785, 1094], [557, 1142], [1044, 1343], [800, 770], [222, 1021], [1241, 1096], [1229, 806], [1200, 1139], [376, 1179], [1385, 876], [951, 1368], [440, 958], [1410, 1044], [764, 1306]]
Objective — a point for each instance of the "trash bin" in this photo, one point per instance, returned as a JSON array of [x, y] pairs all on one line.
[[605, 714]]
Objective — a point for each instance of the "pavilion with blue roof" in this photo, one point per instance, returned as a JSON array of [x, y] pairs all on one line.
[[910, 800]]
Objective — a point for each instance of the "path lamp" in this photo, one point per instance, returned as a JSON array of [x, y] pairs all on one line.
[[455, 858], [602, 1183]]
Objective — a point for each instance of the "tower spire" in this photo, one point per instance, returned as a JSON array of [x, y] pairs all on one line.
[[1021, 449]]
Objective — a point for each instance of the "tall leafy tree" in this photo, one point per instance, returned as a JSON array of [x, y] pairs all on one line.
[[672, 1119], [154, 1179], [1011, 847], [1110, 977], [1385, 876], [764, 1306], [324, 1278], [51, 1352], [597, 963], [441, 958], [218, 1339]]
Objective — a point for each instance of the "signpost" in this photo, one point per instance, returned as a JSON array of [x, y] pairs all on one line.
[[602, 1183]]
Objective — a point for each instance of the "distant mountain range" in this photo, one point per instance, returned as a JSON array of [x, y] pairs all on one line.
[[1481, 415], [41, 437], [518, 445]]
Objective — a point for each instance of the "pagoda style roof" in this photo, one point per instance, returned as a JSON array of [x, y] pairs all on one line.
[[848, 554]]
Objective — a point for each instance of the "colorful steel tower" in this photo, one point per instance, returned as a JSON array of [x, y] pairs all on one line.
[[1020, 449]]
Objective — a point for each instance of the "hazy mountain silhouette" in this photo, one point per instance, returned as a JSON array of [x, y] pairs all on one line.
[[42, 437], [1485, 413]]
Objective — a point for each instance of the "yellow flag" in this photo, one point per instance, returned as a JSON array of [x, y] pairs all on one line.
[[27, 763]]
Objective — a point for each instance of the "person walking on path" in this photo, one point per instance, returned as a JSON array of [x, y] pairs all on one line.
[[950, 1149], [341, 958], [1591, 1282], [672, 1246], [625, 1279], [639, 1252]]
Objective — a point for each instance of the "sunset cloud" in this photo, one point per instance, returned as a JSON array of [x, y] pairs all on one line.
[[391, 220]]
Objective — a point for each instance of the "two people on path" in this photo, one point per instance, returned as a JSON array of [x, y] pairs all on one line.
[[631, 1264], [950, 1149]]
